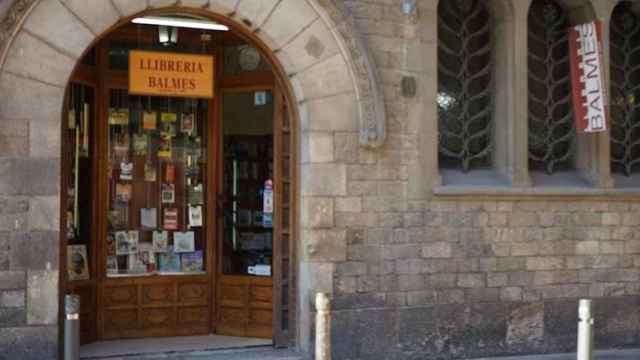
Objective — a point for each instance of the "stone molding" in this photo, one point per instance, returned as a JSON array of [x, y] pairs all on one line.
[[369, 93], [365, 78]]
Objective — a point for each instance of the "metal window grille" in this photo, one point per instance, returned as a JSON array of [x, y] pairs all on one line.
[[551, 126], [465, 96], [625, 83]]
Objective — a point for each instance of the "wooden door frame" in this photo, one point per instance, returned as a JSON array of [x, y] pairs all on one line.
[[280, 85]]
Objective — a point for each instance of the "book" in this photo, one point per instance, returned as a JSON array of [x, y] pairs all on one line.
[[122, 243], [160, 241], [146, 257], [149, 120], [192, 261], [170, 220], [140, 144], [149, 218], [183, 242], [77, 264], [169, 261]]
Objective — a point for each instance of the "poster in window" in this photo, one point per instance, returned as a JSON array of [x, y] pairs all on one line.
[[188, 122], [140, 144], [77, 264], [168, 193], [169, 261], [192, 261], [183, 242], [160, 241], [170, 220], [149, 120], [149, 218], [164, 146], [195, 216]]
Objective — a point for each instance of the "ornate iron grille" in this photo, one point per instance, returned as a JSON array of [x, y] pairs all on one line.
[[551, 126], [465, 103], [625, 83]]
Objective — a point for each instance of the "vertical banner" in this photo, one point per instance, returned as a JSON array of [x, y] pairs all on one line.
[[588, 77]]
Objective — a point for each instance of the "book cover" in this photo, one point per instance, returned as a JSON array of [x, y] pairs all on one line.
[[170, 219], [192, 262], [183, 242], [169, 261]]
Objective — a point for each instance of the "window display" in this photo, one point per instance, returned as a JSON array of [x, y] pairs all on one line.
[[156, 176]]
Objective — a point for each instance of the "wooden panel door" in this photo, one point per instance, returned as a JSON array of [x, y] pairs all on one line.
[[245, 306]]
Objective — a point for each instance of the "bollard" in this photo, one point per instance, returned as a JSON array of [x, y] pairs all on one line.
[[323, 327], [585, 331], [72, 327]]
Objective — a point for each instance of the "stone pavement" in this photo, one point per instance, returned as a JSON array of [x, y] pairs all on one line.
[[236, 354], [631, 354]]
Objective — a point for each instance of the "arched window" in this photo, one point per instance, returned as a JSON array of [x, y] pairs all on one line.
[[551, 127], [625, 86], [465, 94]]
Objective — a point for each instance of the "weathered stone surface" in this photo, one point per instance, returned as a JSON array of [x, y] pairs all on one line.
[[35, 251], [326, 78], [288, 19], [253, 14], [363, 333], [130, 7], [325, 245], [27, 99], [333, 113], [31, 57], [14, 137], [12, 298], [53, 22], [163, 3], [42, 297], [29, 176], [526, 325], [98, 15], [44, 213], [324, 180], [317, 212], [314, 44], [223, 6], [320, 149], [12, 316], [12, 280], [30, 343]]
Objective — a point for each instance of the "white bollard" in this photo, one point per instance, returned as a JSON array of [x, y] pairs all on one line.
[[323, 327], [585, 331]]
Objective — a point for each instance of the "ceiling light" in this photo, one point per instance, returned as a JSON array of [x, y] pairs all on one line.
[[180, 22]]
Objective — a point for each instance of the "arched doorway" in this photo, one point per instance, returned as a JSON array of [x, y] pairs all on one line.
[[329, 75], [179, 207]]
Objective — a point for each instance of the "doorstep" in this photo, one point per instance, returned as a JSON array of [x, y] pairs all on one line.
[[185, 347]]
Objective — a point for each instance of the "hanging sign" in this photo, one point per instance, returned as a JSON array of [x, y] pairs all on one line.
[[588, 77], [170, 74]]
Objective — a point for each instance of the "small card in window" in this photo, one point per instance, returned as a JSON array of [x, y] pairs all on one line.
[[168, 193]]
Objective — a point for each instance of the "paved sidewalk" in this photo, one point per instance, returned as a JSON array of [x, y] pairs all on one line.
[[632, 354]]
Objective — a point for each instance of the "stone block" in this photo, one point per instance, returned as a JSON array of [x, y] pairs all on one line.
[[42, 297], [410, 282], [223, 7], [51, 21], [252, 13], [497, 279], [44, 213], [12, 298], [130, 7], [195, 3], [98, 15], [28, 99], [317, 212], [436, 250], [12, 280], [44, 139], [363, 334], [450, 296], [288, 20], [33, 58], [545, 263], [526, 325], [587, 248], [348, 204], [511, 294], [30, 342], [364, 253], [555, 277], [353, 219], [394, 252], [14, 138], [345, 284], [346, 147], [325, 245], [163, 3], [351, 268], [421, 298], [35, 251], [524, 248], [439, 281], [324, 180], [333, 113], [320, 148], [313, 44], [564, 291], [324, 79], [471, 280], [12, 316]]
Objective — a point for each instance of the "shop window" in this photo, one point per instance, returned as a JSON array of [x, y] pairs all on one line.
[[625, 85], [465, 91], [552, 137]]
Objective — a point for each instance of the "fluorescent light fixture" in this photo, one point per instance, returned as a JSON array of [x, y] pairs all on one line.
[[180, 22]]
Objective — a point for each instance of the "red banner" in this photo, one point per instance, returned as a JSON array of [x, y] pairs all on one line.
[[588, 77]]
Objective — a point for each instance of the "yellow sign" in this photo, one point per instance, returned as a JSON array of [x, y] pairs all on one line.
[[170, 74]]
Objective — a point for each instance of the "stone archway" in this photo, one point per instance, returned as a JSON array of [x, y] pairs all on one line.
[[330, 72]]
